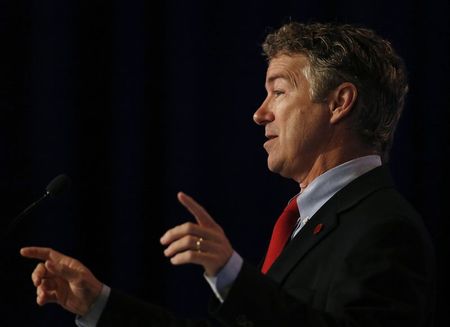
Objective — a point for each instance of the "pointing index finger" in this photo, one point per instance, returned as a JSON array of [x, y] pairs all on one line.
[[200, 214], [40, 253]]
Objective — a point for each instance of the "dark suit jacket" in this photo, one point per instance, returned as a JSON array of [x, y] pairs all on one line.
[[371, 264]]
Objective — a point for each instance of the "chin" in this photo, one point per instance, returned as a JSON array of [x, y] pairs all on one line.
[[277, 167], [274, 166]]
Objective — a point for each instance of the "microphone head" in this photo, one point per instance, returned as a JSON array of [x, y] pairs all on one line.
[[58, 185]]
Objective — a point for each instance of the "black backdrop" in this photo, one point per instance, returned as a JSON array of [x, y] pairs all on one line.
[[136, 100]]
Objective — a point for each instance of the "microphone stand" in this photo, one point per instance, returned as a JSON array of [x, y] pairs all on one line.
[[21, 215]]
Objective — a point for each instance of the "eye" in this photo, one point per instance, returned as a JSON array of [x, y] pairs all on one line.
[[277, 93]]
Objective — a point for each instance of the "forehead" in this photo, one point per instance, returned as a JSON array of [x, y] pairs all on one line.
[[289, 67]]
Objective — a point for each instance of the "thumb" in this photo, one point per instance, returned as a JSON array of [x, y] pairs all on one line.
[[201, 215], [61, 270]]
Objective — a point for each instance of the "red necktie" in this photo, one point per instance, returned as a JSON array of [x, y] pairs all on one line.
[[281, 232]]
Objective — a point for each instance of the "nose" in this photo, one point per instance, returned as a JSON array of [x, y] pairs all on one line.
[[263, 115]]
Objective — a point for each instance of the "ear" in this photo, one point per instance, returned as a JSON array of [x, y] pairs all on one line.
[[341, 101]]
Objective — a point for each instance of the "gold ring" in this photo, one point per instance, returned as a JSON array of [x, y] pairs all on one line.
[[198, 244]]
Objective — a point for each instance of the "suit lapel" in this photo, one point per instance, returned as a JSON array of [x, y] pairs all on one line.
[[311, 235], [302, 243]]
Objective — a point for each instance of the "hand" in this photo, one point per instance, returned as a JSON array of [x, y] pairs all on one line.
[[63, 280], [203, 243]]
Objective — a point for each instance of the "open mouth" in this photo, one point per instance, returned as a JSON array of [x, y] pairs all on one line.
[[269, 139]]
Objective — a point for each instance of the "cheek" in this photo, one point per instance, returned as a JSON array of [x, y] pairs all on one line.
[[304, 131], [295, 134]]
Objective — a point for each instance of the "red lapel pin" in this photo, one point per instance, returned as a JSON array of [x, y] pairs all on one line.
[[318, 229]]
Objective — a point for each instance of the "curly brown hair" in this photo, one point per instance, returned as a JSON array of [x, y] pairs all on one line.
[[340, 53]]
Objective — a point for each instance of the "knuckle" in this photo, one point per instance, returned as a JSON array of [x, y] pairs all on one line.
[[191, 240], [187, 227], [170, 248], [35, 280], [84, 284], [175, 259], [190, 255], [169, 233], [40, 268]]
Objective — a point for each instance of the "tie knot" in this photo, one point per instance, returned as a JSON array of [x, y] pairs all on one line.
[[292, 206]]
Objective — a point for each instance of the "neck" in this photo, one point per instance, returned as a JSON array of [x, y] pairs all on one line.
[[330, 159]]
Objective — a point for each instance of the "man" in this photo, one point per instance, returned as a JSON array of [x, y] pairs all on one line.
[[357, 253]]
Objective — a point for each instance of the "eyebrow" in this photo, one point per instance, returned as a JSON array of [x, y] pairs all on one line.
[[271, 79], [287, 78]]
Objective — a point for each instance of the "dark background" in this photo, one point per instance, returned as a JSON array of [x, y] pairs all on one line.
[[136, 100]]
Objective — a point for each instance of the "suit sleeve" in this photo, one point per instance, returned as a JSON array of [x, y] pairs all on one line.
[[124, 310]]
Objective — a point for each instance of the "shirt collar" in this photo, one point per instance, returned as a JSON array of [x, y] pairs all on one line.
[[322, 188]]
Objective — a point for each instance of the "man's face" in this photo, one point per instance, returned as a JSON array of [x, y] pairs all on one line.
[[297, 129]]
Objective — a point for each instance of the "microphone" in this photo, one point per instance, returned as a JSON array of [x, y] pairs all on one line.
[[57, 186]]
